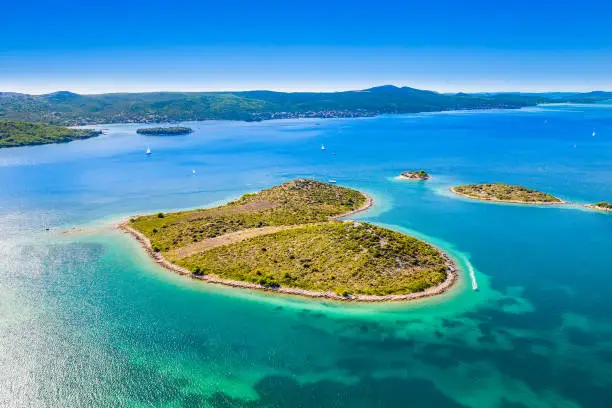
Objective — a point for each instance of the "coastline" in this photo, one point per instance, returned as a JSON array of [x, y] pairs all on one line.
[[451, 276], [495, 200], [402, 177], [369, 203], [275, 116], [596, 208]]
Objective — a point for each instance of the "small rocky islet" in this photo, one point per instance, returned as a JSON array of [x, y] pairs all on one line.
[[601, 206], [505, 193], [415, 175], [165, 131]]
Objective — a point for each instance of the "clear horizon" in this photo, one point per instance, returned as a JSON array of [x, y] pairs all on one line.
[[314, 90], [475, 47]]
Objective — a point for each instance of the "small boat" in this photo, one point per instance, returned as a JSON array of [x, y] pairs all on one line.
[[322, 147], [148, 152], [331, 181], [594, 133], [193, 172]]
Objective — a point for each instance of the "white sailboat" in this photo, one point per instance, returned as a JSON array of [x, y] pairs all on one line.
[[148, 152], [322, 147], [594, 133]]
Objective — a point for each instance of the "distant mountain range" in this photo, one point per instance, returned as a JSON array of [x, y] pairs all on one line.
[[67, 108]]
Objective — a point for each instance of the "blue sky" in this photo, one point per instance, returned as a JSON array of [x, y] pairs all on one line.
[[122, 46]]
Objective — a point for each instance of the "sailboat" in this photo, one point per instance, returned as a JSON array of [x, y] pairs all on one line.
[[148, 152], [594, 133], [322, 147]]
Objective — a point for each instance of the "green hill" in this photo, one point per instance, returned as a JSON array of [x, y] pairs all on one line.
[[67, 108], [14, 133]]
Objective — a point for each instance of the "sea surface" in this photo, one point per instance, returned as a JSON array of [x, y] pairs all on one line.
[[87, 320]]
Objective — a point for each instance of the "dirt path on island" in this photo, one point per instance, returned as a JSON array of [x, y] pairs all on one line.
[[233, 237], [227, 239]]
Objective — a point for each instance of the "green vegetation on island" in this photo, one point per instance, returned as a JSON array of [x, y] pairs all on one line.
[[342, 257], [603, 206], [505, 193], [14, 134], [288, 236], [415, 175], [296, 202], [165, 131]]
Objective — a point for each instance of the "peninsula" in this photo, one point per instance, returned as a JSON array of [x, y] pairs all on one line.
[[14, 133], [505, 193], [290, 239], [165, 131], [419, 175], [602, 206]]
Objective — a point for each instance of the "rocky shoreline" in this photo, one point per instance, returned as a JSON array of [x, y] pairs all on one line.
[[598, 208], [414, 175], [451, 276], [495, 200]]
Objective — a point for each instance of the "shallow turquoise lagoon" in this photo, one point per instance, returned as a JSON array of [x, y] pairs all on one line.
[[86, 319]]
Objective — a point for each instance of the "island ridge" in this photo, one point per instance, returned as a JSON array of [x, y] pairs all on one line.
[[289, 239]]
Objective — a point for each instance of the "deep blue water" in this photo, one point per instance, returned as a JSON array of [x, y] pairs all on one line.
[[87, 320]]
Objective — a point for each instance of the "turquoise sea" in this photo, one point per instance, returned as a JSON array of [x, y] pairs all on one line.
[[87, 320]]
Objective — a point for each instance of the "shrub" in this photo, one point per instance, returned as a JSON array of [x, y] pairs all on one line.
[[268, 282], [160, 215]]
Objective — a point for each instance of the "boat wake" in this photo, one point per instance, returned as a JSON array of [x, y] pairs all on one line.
[[472, 275]]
